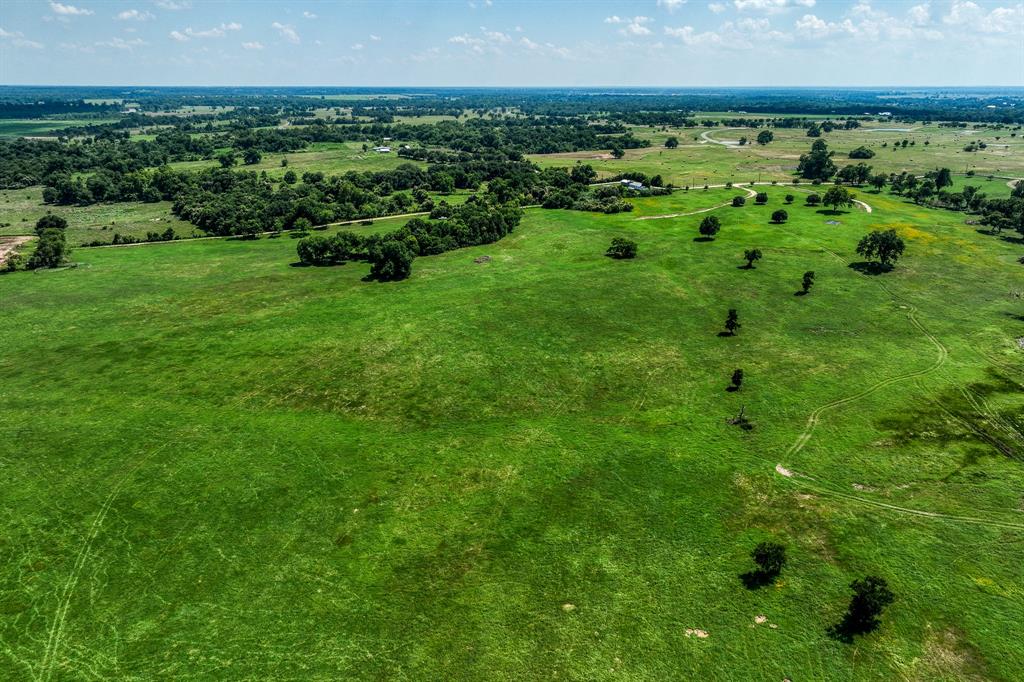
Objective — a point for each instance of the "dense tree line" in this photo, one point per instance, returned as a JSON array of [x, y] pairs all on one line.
[[390, 255]]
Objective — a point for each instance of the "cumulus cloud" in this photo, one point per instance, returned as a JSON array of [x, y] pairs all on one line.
[[215, 32], [866, 23], [742, 34], [254, 45], [1000, 20], [173, 5], [671, 5], [134, 15], [287, 32], [69, 10], [374, 38], [18, 39], [308, 15], [717, 7], [121, 44], [631, 26], [357, 46], [770, 5]]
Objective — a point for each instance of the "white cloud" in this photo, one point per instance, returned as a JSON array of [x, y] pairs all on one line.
[[215, 32], [374, 38], [173, 5], [634, 26], [69, 10], [744, 34], [121, 44], [1000, 20], [717, 7], [920, 14], [865, 23], [287, 32], [771, 6], [308, 15], [18, 39], [357, 46], [671, 5], [134, 15], [498, 36], [254, 45], [961, 12]]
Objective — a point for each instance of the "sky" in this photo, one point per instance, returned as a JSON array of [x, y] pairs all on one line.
[[512, 42]]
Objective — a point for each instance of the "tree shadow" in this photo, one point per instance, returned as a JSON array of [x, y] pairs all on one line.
[[1012, 240], [832, 212], [703, 239], [845, 630], [745, 267], [731, 388], [800, 293], [870, 268], [726, 334], [756, 579]]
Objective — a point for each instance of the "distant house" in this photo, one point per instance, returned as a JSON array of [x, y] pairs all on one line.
[[382, 150], [387, 139], [624, 182], [636, 185]]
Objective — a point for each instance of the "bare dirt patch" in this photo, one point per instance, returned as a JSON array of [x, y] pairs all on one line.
[[697, 632], [783, 470], [9, 245]]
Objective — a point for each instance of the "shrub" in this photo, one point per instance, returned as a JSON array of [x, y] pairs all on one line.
[[621, 248], [779, 216], [813, 200], [761, 198], [50, 222], [870, 597], [51, 251], [710, 226], [390, 261], [861, 153], [738, 201], [790, 198]]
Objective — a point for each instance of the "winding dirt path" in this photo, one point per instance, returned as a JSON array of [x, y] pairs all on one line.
[[745, 186], [705, 137]]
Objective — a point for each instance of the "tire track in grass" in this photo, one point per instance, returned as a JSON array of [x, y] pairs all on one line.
[[810, 483], [56, 635]]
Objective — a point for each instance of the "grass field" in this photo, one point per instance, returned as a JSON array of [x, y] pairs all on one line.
[[696, 159], [326, 157], [13, 127], [21, 208], [223, 466]]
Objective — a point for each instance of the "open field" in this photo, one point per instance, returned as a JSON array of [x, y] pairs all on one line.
[[12, 127], [326, 157], [21, 208], [224, 466], [696, 159]]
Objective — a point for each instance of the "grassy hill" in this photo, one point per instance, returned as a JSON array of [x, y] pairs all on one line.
[[221, 465]]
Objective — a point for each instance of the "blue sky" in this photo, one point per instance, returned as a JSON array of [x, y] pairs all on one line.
[[512, 42]]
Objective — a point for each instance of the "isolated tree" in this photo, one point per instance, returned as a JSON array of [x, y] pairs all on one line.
[[878, 181], [284, 162], [751, 255], [871, 595], [583, 174], [885, 247], [813, 200], [290, 177], [621, 248], [710, 226], [672, 143], [941, 177], [738, 201], [790, 198], [770, 558], [818, 164], [737, 379], [618, 153], [732, 322], [765, 136], [779, 216], [761, 198], [861, 153], [50, 222], [743, 141], [391, 260], [227, 159], [251, 157], [808, 281], [837, 196], [51, 250]]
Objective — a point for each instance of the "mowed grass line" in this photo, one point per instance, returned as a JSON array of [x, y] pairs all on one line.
[[431, 470]]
